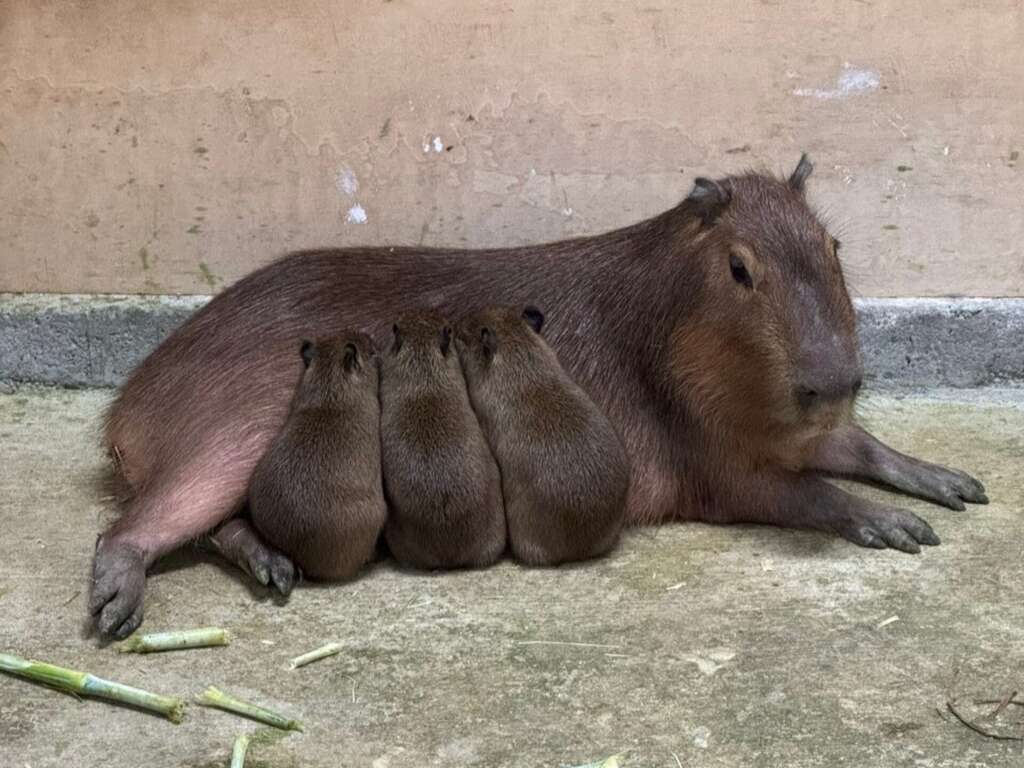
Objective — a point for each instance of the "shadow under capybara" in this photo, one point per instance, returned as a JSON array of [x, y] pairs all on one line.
[[442, 484], [316, 494], [718, 338], [564, 471]]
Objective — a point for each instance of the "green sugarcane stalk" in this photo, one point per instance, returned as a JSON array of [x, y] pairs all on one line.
[[175, 641], [238, 753], [212, 697], [320, 653], [85, 684]]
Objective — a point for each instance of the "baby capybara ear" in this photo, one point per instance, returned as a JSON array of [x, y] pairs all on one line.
[[488, 343], [799, 176], [446, 340], [708, 199], [534, 318], [350, 358], [306, 350], [397, 343]]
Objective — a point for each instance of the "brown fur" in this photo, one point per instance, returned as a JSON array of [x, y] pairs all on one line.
[[697, 371], [316, 494], [441, 481], [564, 471]]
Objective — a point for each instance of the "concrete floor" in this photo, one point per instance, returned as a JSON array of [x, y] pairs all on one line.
[[691, 646]]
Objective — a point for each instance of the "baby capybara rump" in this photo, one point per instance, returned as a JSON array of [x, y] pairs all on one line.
[[442, 483], [317, 494], [564, 470]]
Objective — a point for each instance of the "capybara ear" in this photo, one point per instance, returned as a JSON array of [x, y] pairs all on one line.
[[799, 176], [397, 344], [446, 340], [306, 350], [708, 199], [488, 343], [534, 317], [350, 359]]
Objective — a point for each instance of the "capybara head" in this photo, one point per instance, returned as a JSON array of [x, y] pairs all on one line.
[[422, 336], [772, 333], [336, 364], [491, 337]]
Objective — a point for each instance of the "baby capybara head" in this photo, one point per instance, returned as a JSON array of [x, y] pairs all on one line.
[[489, 339], [420, 337], [773, 332], [335, 365]]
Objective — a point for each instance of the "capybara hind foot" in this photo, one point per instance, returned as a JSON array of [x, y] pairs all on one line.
[[237, 541], [118, 585]]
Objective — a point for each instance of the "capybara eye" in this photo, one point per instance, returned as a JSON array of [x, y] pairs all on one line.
[[739, 271], [835, 245]]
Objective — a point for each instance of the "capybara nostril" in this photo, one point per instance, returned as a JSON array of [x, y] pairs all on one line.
[[806, 396]]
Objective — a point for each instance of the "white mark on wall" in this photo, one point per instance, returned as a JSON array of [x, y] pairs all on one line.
[[851, 80], [356, 215], [346, 182], [434, 144]]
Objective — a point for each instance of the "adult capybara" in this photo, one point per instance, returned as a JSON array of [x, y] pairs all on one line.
[[442, 483], [564, 471], [316, 494], [718, 337]]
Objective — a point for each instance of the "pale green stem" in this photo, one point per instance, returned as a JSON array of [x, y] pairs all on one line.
[[238, 753], [213, 697], [84, 684], [175, 641], [320, 653]]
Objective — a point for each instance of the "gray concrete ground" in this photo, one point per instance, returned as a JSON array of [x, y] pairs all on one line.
[[691, 646]]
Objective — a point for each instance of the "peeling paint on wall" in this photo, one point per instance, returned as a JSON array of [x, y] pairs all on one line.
[[356, 215], [347, 183], [850, 81]]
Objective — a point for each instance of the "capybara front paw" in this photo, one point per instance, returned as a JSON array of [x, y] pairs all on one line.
[[951, 487], [886, 527], [118, 584], [283, 573], [270, 567]]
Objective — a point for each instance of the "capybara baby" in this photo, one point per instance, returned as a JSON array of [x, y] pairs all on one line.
[[564, 470], [316, 494], [440, 479], [718, 338]]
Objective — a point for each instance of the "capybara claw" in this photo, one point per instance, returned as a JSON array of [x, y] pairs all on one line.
[[269, 567], [282, 573]]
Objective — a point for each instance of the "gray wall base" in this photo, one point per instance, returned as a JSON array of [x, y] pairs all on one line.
[[93, 341]]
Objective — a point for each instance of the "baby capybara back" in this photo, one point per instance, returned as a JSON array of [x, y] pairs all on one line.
[[441, 481], [317, 494], [564, 470]]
